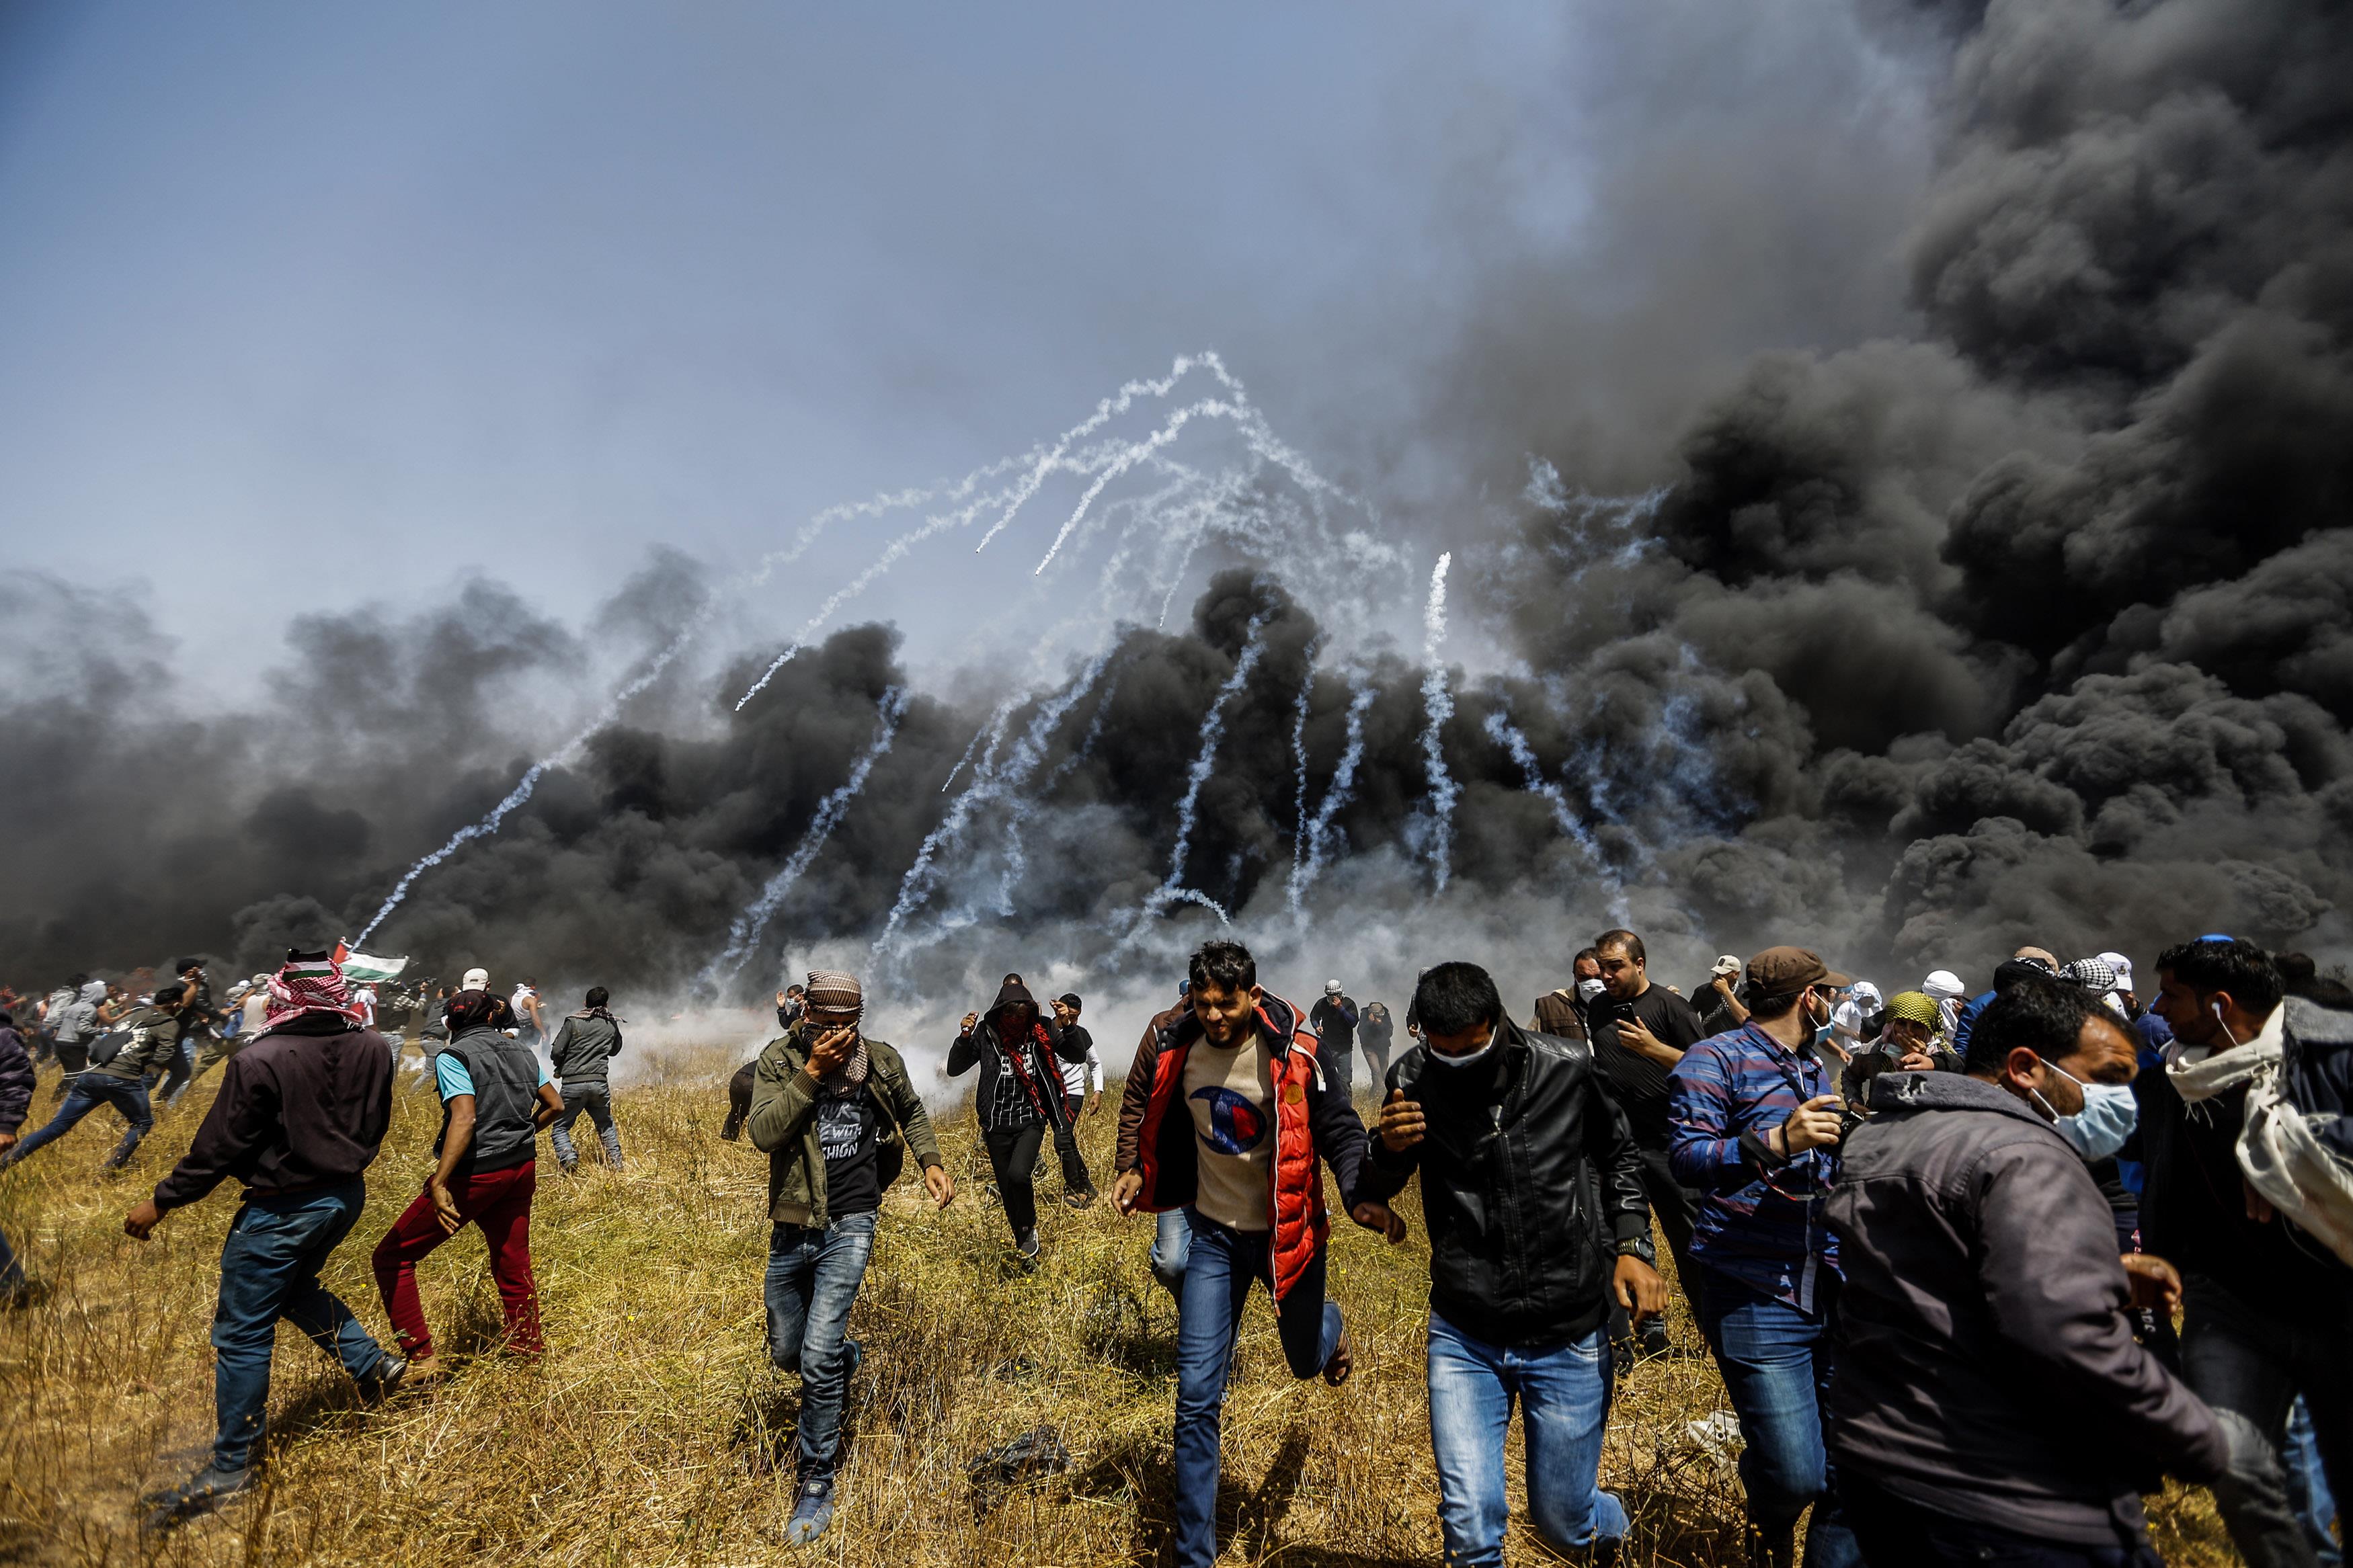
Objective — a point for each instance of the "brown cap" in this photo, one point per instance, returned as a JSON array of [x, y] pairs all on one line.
[[1778, 971]]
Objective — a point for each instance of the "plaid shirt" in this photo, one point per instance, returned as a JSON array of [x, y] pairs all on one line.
[[1760, 1218]]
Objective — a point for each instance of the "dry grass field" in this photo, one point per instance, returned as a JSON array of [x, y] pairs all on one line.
[[655, 1433]]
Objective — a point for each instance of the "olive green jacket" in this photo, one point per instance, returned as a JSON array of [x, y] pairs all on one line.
[[784, 1124]]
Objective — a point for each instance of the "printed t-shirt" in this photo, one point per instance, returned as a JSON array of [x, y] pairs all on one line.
[[847, 1128], [1231, 1096]]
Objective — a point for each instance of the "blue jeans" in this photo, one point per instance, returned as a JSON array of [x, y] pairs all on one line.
[[1564, 1395], [1219, 1269], [1776, 1362], [2308, 1483], [89, 1092], [597, 1100], [1172, 1238], [813, 1277], [270, 1270]]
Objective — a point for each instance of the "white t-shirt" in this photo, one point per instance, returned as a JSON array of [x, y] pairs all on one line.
[[1231, 1096]]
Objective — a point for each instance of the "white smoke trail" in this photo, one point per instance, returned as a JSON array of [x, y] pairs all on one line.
[[988, 783], [1172, 888], [538, 769], [1299, 758], [1438, 703], [827, 816], [1509, 736], [969, 748], [1343, 784]]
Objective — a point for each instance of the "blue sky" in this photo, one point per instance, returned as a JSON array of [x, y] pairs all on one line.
[[390, 295]]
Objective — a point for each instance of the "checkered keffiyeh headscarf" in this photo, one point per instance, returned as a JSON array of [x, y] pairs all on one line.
[[309, 983], [831, 991]]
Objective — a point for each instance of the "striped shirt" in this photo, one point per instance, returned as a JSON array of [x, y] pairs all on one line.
[[1760, 1219]]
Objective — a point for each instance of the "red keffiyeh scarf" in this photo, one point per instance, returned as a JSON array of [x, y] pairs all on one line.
[[310, 984]]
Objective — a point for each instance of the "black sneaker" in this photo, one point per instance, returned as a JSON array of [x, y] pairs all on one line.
[[380, 1384], [203, 1492], [1024, 1247]]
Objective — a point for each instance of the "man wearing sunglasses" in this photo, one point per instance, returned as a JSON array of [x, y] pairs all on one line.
[[1754, 1127]]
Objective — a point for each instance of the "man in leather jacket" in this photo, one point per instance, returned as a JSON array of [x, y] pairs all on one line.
[[1532, 1187]]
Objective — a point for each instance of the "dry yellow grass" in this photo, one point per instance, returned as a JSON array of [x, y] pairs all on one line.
[[655, 1433]]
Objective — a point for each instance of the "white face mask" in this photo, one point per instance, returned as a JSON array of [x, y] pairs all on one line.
[[1463, 1060], [1586, 990], [2109, 1115]]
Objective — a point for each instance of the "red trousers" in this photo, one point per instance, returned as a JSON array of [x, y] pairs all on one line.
[[498, 1202]]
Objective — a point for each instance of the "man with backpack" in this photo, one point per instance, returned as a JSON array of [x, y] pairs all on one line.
[[117, 1076]]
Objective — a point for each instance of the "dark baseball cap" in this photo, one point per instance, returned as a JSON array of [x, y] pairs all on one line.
[[1778, 971]]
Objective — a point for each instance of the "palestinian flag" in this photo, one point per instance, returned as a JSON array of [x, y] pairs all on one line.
[[365, 969]]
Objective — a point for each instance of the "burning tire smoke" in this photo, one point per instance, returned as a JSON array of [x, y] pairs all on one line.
[[2034, 627]]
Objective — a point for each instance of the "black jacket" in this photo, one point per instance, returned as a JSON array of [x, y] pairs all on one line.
[[1531, 1185], [305, 1106], [15, 1079], [1986, 1367], [1004, 1099]]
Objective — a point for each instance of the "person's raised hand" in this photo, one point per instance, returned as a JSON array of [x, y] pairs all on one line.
[[1636, 1037], [1377, 1217], [141, 1221], [2155, 1282], [969, 1020], [1127, 1190], [940, 1184], [1812, 1125], [832, 1049], [1401, 1124], [1640, 1290], [1916, 1061]]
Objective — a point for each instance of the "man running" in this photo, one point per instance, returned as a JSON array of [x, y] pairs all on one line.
[[300, 1113], [836, 1114], [1081, 1092], [586, 1044], [152, 1033], [1374, 1031], [1226, 1117], [791, 1002], [1334, 1019], [1019, 1097], [495, 1097], [1514, 1135]]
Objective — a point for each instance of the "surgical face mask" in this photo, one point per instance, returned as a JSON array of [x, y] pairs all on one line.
[[1824, 1027], [1463, 1060], [2109, 1115], [1586, 990]]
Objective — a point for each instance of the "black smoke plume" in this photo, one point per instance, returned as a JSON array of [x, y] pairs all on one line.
[[2033, 625]]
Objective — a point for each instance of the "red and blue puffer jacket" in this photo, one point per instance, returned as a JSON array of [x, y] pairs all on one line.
[[1156, 1137]]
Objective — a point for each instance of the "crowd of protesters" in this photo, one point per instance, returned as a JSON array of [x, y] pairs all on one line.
[[1935, 1241]]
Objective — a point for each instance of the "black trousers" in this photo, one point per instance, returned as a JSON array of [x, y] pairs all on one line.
[[1066, 1148], [1013, 1156], [1676, 1207], [1893, 1531]]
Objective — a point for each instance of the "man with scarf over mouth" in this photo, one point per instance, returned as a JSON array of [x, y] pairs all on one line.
[[298, 1120], [836, 1114], [2267, 1310], [1227, 1114], [1019, 1099]]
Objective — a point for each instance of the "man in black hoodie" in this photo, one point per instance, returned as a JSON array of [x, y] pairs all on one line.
[[298, 1120], [1513, 1132], [15, 1097], [1020, 1098]]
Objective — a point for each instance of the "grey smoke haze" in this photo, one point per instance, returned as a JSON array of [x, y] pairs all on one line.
[[1993, 395]]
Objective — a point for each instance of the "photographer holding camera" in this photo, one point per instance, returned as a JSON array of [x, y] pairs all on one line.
[[1757, 1123]]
